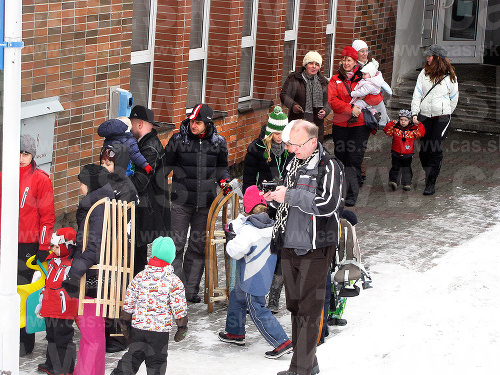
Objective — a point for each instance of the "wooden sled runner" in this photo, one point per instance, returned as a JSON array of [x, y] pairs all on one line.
[[214, 292], [116, 263]]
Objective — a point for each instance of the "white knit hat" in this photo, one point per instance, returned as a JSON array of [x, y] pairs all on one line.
[[371, 68], [312, 56], [359, 44]]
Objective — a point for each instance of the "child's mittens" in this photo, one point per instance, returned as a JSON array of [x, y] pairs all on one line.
[[229, 232], [181, 329], [125, 319], [148, 169]]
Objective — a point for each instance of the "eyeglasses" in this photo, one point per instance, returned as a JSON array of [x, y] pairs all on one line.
[[298, 146]]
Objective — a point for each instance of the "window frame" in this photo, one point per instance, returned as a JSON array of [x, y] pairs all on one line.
[[330, 30], [148, 55], [292, 35], [201, 53], [251, 41]]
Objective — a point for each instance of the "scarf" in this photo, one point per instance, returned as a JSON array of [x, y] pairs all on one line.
[[277, 148], [282, 213], [314, 92]]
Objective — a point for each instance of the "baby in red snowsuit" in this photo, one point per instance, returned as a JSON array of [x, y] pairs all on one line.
[[57, 307]]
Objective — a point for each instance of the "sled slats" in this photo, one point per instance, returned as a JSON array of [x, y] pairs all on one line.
[[115, 268]]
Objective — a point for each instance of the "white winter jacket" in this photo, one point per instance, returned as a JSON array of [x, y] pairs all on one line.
[[442, 100]]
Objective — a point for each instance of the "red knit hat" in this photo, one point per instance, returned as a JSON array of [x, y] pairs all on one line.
[[351, 52], [252, 198], [63, 238]]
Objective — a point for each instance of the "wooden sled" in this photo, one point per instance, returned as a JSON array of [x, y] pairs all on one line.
[[116, 263], [213, 292]]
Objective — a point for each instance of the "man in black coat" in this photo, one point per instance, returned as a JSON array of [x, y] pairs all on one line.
[[199, 159], [152, 214]]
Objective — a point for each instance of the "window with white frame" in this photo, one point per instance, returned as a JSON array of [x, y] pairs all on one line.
[[291, 29], [197, 71], [142, 56], [248, 41], [330, 38]]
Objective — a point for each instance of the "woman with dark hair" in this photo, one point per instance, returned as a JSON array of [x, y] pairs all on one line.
[[350, 138], [36, 221], [434, 99]]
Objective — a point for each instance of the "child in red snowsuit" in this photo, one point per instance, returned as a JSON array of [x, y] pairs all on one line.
[[403, 132], [57, 307]]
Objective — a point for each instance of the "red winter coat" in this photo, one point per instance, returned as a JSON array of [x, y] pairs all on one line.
[[403, 138], [36, 207], [339, 98], [56, 303]]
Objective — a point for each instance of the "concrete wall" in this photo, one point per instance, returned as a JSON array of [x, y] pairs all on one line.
[[407, 52]]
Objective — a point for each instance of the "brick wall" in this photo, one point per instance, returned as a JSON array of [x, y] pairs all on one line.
[[75, 50]]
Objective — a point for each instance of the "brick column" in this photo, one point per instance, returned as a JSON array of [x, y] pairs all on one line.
[[312, 28], [171, 60], [269, 49], [224, 53]]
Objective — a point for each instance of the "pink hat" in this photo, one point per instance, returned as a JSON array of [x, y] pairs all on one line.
[[252, 198], [351, 52]]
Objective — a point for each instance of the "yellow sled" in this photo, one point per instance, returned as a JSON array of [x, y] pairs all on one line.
[[30, 294]]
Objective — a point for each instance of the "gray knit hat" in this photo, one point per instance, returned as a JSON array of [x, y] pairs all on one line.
[[405, 113], [28, 144], [436, 50]]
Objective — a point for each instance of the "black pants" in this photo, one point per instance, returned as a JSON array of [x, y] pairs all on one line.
[[146, 346], [431, 144], [24, 276], [401, 172], [350, 145], [61, 350], [305, 279]]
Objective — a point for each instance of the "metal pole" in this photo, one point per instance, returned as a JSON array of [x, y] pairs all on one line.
[[9, 299]]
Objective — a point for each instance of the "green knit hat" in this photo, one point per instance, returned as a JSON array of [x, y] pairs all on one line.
[[164, 249], [277, 121]]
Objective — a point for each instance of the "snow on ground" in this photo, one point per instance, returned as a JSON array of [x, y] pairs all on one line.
[[443, 320], [440, 320]]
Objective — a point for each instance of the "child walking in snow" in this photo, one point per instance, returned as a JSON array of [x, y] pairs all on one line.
[[155, 298], [403, 132], [57, 307], [118, 130], [371, 83], [248, 241]]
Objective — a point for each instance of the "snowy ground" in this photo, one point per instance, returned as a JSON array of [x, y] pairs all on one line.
[[442, 320]]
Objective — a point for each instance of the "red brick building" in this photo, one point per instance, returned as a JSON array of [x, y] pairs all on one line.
[[172, 54]]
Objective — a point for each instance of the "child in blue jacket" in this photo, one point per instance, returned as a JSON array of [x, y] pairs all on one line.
[[118, 130], [249, 241]]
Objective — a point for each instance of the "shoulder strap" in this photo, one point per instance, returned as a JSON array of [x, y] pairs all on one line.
[[437, 83]]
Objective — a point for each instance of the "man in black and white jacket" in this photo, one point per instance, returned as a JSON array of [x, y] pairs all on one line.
[[306, 232]]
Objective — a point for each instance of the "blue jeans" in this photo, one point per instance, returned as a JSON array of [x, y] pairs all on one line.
[[264, 320]]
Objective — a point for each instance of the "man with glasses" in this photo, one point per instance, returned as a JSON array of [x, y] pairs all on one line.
[[306, 232]]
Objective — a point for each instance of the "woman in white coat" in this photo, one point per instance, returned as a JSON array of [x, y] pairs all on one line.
[[434, 100]]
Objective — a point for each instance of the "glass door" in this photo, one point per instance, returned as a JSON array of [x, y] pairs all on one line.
[[461, 28]]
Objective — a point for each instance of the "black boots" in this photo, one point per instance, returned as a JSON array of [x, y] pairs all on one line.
[[430, 186], [275, 293]]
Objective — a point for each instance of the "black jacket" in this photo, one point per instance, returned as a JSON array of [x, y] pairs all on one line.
[[256, 167], [198, 163], [122, 186], [152, 216], [82, 261]]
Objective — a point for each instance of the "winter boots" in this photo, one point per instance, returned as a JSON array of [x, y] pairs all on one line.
[[232, 339], [273, 302], [283, 349]]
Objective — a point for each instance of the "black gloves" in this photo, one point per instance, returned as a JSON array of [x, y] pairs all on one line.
[[229, 232], [41, 255], [72, 285], [181, 329]]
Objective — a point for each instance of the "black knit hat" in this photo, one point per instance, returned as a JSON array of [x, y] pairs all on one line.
[[94, 176], [350, 217]]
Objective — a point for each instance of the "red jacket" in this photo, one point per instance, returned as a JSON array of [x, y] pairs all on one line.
[[36, 207], [56, 303], [339, 98], [403, 139]]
